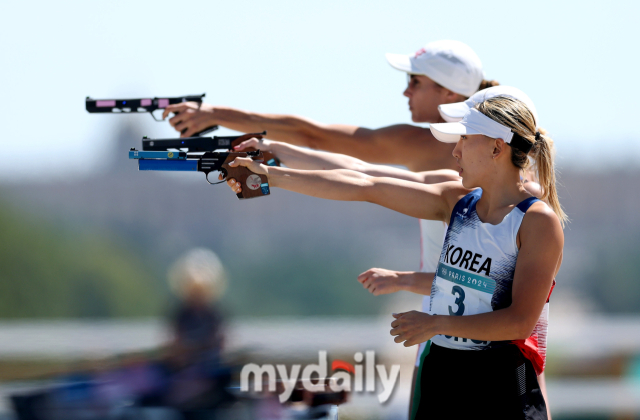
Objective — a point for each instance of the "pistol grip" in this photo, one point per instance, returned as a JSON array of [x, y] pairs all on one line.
[[253, 185]]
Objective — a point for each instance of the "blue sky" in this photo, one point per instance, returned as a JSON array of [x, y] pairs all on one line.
[[578, 61]]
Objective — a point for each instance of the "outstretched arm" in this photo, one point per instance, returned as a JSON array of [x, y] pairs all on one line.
[[539, 258], [302, 158], [423, 201], [397, 144]]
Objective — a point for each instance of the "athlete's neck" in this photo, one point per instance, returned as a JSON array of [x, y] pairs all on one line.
[[500, 194]]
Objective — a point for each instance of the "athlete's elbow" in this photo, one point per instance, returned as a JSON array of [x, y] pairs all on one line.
[[317, 137], [356, 165], [370, 189], [523, 328], [312, 142]]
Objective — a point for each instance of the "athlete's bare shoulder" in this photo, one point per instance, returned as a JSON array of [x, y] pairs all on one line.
[[541, 224], [439, 175], [541, 212], [452, 192]]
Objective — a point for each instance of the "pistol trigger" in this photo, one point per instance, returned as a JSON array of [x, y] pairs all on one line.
[[154, 115], [211, 183], [206, 175]]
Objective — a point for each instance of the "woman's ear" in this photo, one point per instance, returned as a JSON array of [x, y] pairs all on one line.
[[499, 147]]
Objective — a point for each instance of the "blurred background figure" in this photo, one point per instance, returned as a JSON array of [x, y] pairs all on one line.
[[195, 377], [187, 378], [197, 278]]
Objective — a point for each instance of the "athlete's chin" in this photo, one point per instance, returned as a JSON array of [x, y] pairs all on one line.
[[418, 118], [467, 181]]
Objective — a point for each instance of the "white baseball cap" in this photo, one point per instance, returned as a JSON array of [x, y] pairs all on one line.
[[452, 64], [456, 111]]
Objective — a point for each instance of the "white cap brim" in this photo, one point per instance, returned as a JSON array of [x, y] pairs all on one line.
[[451, 132], [453, 112], [399, 61]]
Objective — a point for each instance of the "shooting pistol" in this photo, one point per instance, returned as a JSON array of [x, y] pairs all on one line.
[[254, 185], [184, 154], [207, 144], [150, 105]]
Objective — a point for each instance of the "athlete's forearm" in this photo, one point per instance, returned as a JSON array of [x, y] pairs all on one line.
[[409, 198], [543, 388], [503, 324], [337, 138], [340, 184], [297, 157], [302, 158], [416, 282], [402, 144]]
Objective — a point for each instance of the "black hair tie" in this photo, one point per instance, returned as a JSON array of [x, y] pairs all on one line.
[[537, 136], [519, 143]]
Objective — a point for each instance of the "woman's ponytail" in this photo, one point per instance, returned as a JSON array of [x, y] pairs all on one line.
[[543, 153]]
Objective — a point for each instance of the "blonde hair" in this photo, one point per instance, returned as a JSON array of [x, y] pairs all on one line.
[[198, 271], [514, 114]]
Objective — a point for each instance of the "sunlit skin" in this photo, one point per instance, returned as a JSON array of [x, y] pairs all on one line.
[[482, 161], [475, 154], [424, 97]]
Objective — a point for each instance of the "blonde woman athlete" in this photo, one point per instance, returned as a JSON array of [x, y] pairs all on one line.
[[488, 308], [380, 281]]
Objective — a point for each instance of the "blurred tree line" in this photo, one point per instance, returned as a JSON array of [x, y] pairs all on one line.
[[50, 270], [56, 270]]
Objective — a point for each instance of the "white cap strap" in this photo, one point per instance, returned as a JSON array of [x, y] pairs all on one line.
[[476, 121]]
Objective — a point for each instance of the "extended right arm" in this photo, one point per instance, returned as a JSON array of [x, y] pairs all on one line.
[[432, 202], [302, 158], [396, 144]]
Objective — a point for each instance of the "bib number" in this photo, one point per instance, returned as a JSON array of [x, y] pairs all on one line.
[[459, 301]]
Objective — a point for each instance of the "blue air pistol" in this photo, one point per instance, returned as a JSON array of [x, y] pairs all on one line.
[[254, 185], [207, 144]]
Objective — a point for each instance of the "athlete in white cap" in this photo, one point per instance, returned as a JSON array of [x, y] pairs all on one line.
[[502, 250], [442, 72]]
